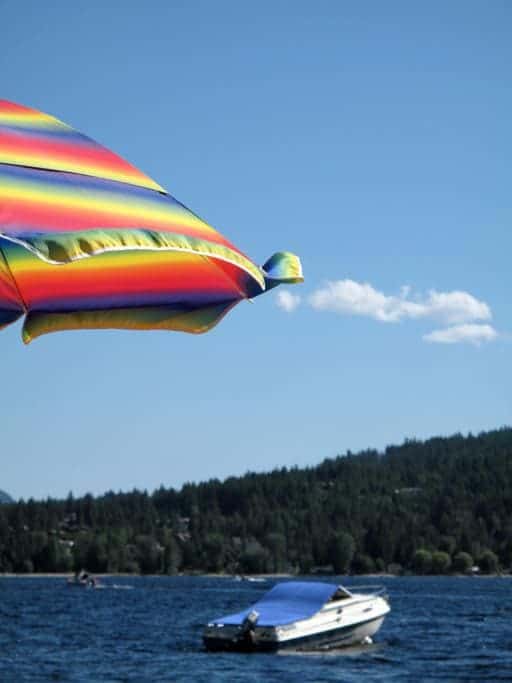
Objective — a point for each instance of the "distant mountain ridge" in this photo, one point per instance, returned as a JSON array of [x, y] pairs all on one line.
[[5, 497]]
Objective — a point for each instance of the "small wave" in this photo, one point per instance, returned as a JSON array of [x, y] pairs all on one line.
[[348, 651], [121, 587]]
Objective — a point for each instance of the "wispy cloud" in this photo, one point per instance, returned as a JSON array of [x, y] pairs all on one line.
[[471, 334], [348, 296], [288, 301]]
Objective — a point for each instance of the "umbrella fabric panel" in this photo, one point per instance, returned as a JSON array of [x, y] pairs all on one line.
[[37, 201], [167, 318], [31, 138], [125, 278], [11, 305]]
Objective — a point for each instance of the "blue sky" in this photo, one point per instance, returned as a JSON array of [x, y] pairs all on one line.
[[372, 139]]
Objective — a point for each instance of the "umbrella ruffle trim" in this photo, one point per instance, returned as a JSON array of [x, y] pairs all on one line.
[[62, 248]]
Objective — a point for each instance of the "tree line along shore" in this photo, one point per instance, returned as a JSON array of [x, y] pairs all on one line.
[[431, 507]]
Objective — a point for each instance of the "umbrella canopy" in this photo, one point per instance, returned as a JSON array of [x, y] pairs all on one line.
[[88, 241]]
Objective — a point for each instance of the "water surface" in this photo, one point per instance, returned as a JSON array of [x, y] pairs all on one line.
[[149, 629]]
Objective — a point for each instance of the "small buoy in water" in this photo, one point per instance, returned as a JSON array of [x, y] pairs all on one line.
[[367, 641]]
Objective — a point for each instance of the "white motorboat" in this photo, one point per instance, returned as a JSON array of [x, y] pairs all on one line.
[[302, 615]]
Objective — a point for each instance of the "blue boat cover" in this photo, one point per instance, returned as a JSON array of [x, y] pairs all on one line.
[[285, 603]]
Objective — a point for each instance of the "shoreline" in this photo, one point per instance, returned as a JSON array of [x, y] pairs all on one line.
[[264, 577]]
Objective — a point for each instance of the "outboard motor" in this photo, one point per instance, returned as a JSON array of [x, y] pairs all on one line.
[[247, 633]]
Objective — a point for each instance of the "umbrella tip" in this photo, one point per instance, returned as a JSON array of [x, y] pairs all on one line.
[[283, 267]]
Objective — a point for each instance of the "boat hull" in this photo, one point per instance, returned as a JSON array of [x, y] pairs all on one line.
[[343, 636]]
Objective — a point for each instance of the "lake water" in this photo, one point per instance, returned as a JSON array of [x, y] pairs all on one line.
[[149, 629]]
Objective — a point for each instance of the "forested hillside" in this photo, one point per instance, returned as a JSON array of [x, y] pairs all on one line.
[[435, 506]]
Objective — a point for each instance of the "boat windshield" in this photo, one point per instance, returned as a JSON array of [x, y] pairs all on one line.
[[340, 594]]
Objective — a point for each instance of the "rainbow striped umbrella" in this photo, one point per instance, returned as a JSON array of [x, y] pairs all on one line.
[[87, 241]]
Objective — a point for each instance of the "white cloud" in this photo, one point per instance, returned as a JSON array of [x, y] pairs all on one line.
[[472, 334], [460, 311], [348, 296], [457, 307], [288, 301]]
